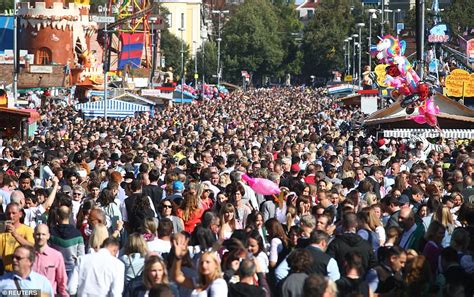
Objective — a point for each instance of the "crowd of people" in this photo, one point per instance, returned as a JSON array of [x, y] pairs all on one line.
[[155, 205]]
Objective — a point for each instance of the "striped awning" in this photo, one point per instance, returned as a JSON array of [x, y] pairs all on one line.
[[430, 133], [115, 109]]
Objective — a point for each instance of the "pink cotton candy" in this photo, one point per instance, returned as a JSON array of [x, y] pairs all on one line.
[[261, 185]]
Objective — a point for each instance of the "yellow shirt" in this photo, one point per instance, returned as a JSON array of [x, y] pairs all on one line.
[[8, 244]]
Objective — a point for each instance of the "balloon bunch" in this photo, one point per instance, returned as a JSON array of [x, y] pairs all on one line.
[[409, 89]]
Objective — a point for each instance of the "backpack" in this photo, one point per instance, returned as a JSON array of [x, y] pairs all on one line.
[[136, 284]]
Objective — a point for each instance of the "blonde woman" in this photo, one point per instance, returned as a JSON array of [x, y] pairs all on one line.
[[134, 256], [228, 221], [369, 228], [371, 198], [98, 235], [155, 275], [210, 281], [445, 217]]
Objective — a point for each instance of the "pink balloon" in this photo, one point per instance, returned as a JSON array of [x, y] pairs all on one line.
[[427, 114], [261, 185]]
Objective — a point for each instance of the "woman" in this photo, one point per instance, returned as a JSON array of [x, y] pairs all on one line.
[[155, 275], [303, 204], [203, 192], [256, 249], [432, 250], [444, 216], [278, 242], [255, 222], [368, 222], [236, 192], [133, 256], [140, 210], [98, 235], [220, 201], [165, 211], [228, 221], [210, 281], [291, 218], [417, 276], [190, 212], [107, 203]]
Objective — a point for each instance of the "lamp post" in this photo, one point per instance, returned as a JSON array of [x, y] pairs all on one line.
[[388, 11], [153, 50], [219, 39], [182, 57], [395, 20], [360, 26], [372, 15], [15, 52], [382, 21], [348, 40], [104, 9], [354, 37]]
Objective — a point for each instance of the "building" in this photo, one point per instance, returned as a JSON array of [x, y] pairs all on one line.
[[306, 10], [188, 12]]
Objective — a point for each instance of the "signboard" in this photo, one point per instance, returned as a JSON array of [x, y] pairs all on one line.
[[460, 84], [470, 50], [400, 27], [348, 78], [438, 34], [41, 69], [103, 19], [158, 93]]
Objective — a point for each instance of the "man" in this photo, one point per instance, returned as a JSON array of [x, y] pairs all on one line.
[[8, 186], [154, 190], [246, 286], [16, 234], [416, 199], [23, 277], [391, 205], [49, 262], [412, 232], [349, 241], [127, 206], [322, 263], [67, 239], [163, 244], [99, 274], [387, 278], [389, 179], [375, 178]]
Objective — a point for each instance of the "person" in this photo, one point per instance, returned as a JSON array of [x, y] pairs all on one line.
[[155, 275], [353, 281], [413, 232], [190, 212], [165, 210], [210, 281], [49, 262], [432, 249], [99, 274], [228, 221], [133, 256], [349, 241], [15, 234], [317, 285], [23, 277], [299, 261], [67, 239], [387, 277], [248, 271], [162, 244], [278, 242]]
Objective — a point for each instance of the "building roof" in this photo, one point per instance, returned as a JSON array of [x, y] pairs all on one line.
[[450, 111], [308, 4]]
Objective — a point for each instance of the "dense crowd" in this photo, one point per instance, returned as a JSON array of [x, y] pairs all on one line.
[[155, 205]]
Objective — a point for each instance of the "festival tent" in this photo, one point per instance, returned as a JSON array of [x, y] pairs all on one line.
[[453, 115], [116, 108], [16, 122]]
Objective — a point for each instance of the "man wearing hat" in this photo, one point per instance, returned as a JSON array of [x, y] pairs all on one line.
[[114, 163], [177, 196]]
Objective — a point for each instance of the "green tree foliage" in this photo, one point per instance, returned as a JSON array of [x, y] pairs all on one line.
[[251, 41], [207, 61], [5, 5], [290, 28], [171, 49], [324, 37], [459, 15]]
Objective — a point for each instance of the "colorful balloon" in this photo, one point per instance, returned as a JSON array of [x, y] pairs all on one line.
[[261, 185]]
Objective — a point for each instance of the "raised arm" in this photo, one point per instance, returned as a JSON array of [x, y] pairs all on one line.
[[180, 246]]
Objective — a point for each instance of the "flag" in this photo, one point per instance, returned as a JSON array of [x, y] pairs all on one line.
[[132, 47]]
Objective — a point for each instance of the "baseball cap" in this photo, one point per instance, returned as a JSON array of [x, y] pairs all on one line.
[[178, 186]]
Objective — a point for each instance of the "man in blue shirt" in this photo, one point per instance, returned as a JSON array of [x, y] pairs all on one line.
[[23, 279]]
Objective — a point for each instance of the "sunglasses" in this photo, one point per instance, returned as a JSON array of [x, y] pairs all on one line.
[[77, 194], [167, 206]]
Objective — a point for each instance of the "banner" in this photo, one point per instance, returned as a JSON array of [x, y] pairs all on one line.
[[132, 48], [470, 50]]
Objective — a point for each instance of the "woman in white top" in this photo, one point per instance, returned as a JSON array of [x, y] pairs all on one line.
[[256, 248], [210, 281], [228, 221]]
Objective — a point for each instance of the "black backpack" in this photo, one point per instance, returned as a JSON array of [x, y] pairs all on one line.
[[134, 285]]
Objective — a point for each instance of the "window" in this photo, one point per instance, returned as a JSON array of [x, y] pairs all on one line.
[[170, 20], [43, 56]]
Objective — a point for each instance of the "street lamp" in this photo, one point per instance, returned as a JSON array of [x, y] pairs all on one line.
[[372, 15], [104, 9], [360, 26], [219, 39], [153, 50], [181, 29], [388, 16], [396, 20], [382, 21], [354, 37], [348, 40]]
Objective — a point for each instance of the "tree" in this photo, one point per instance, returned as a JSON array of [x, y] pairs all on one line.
[[171, 49], [290, 28], [207, 61], [251, 41], [459, 15], [324, 37]]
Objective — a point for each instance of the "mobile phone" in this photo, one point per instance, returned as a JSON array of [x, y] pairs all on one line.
[[3, 226]]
